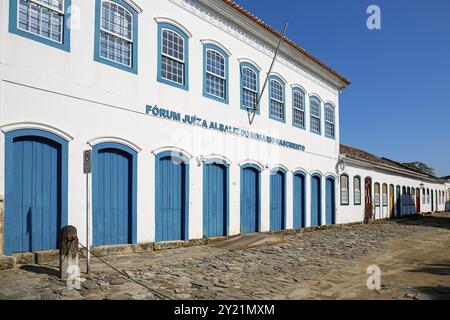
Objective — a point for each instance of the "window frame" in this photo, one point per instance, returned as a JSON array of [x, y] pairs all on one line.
[[348, 190], [168, 26], [135, 32], [253, 68], [283, 86], [330, 106], [295, 90], [354, 191], [385, 196], [213, 47], [65, 30], [311, 116], [377, 203]]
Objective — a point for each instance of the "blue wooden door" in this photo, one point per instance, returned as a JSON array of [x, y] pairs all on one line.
[[250, 200], [299, 201], [277, 204], [33, 213], [215, 200], [316, 201], [171, 199], [112, 197], [330, 202]]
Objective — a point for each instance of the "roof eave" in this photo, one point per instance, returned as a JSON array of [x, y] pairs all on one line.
[[262, 31]]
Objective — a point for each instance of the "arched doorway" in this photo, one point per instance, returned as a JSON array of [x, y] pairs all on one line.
[[36, 170], [114, 184], [215, 198], [330, 206], [277, 200], [368, 199], [316, 200], [250, 199], [391, 201], [299, 200], [172, 197]]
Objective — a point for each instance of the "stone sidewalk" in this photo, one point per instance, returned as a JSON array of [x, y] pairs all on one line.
[[286, 271]]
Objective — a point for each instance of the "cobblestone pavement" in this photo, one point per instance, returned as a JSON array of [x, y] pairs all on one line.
[[329, 264]]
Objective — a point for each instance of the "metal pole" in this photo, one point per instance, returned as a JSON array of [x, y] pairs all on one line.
[[270, 71], [88, 253]]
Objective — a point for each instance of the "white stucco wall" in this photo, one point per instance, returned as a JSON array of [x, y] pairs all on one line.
[[355, 213], [68, 92]]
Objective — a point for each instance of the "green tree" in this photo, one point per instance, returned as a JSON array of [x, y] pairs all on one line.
[[421, 167]]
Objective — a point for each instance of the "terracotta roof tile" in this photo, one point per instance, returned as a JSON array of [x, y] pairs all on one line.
[[286, 40]]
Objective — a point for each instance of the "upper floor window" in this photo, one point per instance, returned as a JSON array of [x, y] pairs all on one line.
[[385, 195], [249, 87], [344, 190], [377, 195], [276, 99], [315, 115], [44, 21], [173, 56], [357, 190], [329, 121], [216, 73], [298, 108], [116, 34]]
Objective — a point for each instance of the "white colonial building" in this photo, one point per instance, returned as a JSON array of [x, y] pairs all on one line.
[[164, 94]]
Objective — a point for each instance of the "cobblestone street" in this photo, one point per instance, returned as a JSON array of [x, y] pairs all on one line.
[[413, 256]]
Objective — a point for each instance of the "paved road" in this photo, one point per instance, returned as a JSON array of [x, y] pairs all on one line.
[[413, 257]]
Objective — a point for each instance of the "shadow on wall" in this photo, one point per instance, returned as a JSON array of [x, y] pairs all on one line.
[[432, 222]]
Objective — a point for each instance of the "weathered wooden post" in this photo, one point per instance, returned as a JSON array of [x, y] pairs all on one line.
[[68, 253]]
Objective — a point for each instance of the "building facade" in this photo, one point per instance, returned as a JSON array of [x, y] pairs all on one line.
[[164, 94]]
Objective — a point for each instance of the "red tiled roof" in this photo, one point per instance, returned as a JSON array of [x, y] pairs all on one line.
[[368, 157], [279, 35]]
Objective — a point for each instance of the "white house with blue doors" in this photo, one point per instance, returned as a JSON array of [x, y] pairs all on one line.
[[165, 94]]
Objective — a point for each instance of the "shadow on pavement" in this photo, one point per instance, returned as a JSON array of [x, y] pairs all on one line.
[[436, 269], [41, 270], [428, 221]]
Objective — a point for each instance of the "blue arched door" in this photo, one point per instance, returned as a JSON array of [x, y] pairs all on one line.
[[35, 190], [250, 199], [299, 201], [172, 197], [330, 201], [215, 199], [277, 200], [316, 201], [113, 194]]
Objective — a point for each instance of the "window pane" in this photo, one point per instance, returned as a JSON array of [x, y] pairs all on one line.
[[315, 116], [172, 61], [276, 99], [298, 110], [40, 20]]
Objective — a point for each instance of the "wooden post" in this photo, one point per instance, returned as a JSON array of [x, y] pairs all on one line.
[[68, 253]]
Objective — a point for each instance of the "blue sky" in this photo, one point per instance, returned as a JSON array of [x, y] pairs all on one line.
[[398, 105]]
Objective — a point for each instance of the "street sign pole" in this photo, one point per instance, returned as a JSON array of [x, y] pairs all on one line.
[[87, 169]]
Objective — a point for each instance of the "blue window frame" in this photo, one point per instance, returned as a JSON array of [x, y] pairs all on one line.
[[277, 96], [330, 121], [44, 21], [173, 56], [298, 108], [215, 78], [249, 87], [316, 115], [116, 35]]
